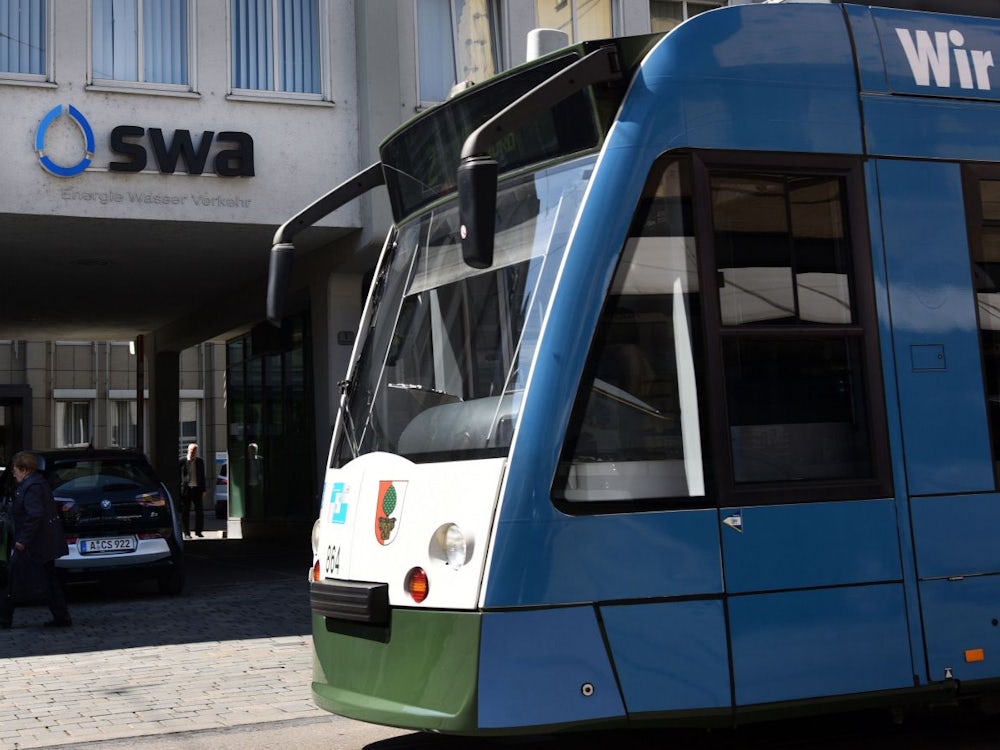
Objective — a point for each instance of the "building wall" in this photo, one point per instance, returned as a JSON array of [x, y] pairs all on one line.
[[300, 146], [102, 373]]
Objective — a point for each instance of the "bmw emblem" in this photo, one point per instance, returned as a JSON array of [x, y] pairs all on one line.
[[105, 504]]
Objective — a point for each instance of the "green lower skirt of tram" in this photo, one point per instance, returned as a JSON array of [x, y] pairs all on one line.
[[419, 673]]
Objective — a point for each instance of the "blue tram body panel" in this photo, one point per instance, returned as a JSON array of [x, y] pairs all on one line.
[[810, 544], [956, 535], [670, 656], [728, 82], [908, 70], [934, 328], [960, 620], [535, 667], [602, 558], [795, 645], [933, 54]]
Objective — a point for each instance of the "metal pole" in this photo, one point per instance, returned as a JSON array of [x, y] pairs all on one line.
[[140, 391]]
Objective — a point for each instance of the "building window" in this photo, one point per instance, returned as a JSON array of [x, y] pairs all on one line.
[[141, 41], [123, 424], [72, 423], [580, 20], [22, 37], [189, 424], [455, 43], [666, 14], [276, 45]]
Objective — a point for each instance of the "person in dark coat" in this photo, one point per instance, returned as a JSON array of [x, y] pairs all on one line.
[[38, 534], [192, 471]]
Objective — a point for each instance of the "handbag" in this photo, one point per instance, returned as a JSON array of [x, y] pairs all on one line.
[[27, 581]]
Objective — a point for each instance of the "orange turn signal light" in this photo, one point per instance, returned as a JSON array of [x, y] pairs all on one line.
[[974, 654], [416, 584]]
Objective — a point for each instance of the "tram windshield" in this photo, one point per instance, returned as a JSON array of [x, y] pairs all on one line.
[[448, 347]]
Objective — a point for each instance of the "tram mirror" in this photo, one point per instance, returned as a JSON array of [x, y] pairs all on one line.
[[477, 202], [279, 274]]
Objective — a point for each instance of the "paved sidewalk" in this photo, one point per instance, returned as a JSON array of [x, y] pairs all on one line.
[[233, 649]]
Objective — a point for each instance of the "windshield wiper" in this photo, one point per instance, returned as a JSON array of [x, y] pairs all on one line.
[[348, 421]]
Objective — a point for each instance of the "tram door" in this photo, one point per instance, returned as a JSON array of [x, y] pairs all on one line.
[[948, 485], [815, 596]]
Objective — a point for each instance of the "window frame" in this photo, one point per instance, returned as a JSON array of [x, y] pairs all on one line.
[[59, 421], [184, 439], [705, 5], [35, 79], [275, 94], [721, 488], [494, 13], [972, 175], [849, 169], [140, 86], [616, 19]]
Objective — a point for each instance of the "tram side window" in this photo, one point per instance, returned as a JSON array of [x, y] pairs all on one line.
[[986, 277], [636, 429], [792, 349]]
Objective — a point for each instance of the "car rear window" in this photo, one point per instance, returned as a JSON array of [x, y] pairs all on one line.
[[99, 474]]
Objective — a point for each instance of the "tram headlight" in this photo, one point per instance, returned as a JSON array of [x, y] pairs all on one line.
[[315, 538], [314, 571], [451, 545]]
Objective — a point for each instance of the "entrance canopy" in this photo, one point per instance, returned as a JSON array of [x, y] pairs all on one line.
[[87, 278]]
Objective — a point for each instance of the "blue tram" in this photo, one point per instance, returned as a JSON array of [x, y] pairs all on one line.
[[676, 396]]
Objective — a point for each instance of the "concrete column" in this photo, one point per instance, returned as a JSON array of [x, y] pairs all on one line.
[[164, 425]]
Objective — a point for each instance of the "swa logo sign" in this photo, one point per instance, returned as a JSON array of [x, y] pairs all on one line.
[[133, 144], [48, 164]]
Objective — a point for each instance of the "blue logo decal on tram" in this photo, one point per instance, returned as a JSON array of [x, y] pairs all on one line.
[[338, 503]]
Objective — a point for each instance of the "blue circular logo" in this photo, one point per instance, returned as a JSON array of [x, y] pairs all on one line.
[[88, 135]]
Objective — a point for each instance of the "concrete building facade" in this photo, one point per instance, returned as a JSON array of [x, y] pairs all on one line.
[[153, 147]]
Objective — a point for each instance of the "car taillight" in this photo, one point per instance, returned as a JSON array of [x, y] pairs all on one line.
[[314, 573], [150, 535], [417, 585]]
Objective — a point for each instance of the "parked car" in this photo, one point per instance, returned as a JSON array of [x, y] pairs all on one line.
[[119, 518]]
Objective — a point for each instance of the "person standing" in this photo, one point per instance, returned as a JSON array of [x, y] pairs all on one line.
[[38, 535], [192, 471]]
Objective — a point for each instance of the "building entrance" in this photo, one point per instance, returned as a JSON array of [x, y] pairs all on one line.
[[15, 420], [271, 444]]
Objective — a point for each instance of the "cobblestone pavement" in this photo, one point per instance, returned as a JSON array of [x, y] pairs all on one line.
[[233, 649]]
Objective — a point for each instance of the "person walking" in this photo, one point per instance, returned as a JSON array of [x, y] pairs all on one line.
[[38, 540], [192, 471]]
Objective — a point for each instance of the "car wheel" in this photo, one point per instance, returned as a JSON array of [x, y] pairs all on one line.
[[172, 583]]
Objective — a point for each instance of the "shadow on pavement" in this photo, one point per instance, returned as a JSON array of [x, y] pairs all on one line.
[[236, 589], [955, 728]]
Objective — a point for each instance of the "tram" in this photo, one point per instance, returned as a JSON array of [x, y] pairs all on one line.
[[676, 395]]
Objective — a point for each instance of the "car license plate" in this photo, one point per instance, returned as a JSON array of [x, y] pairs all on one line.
[[108, 544]]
